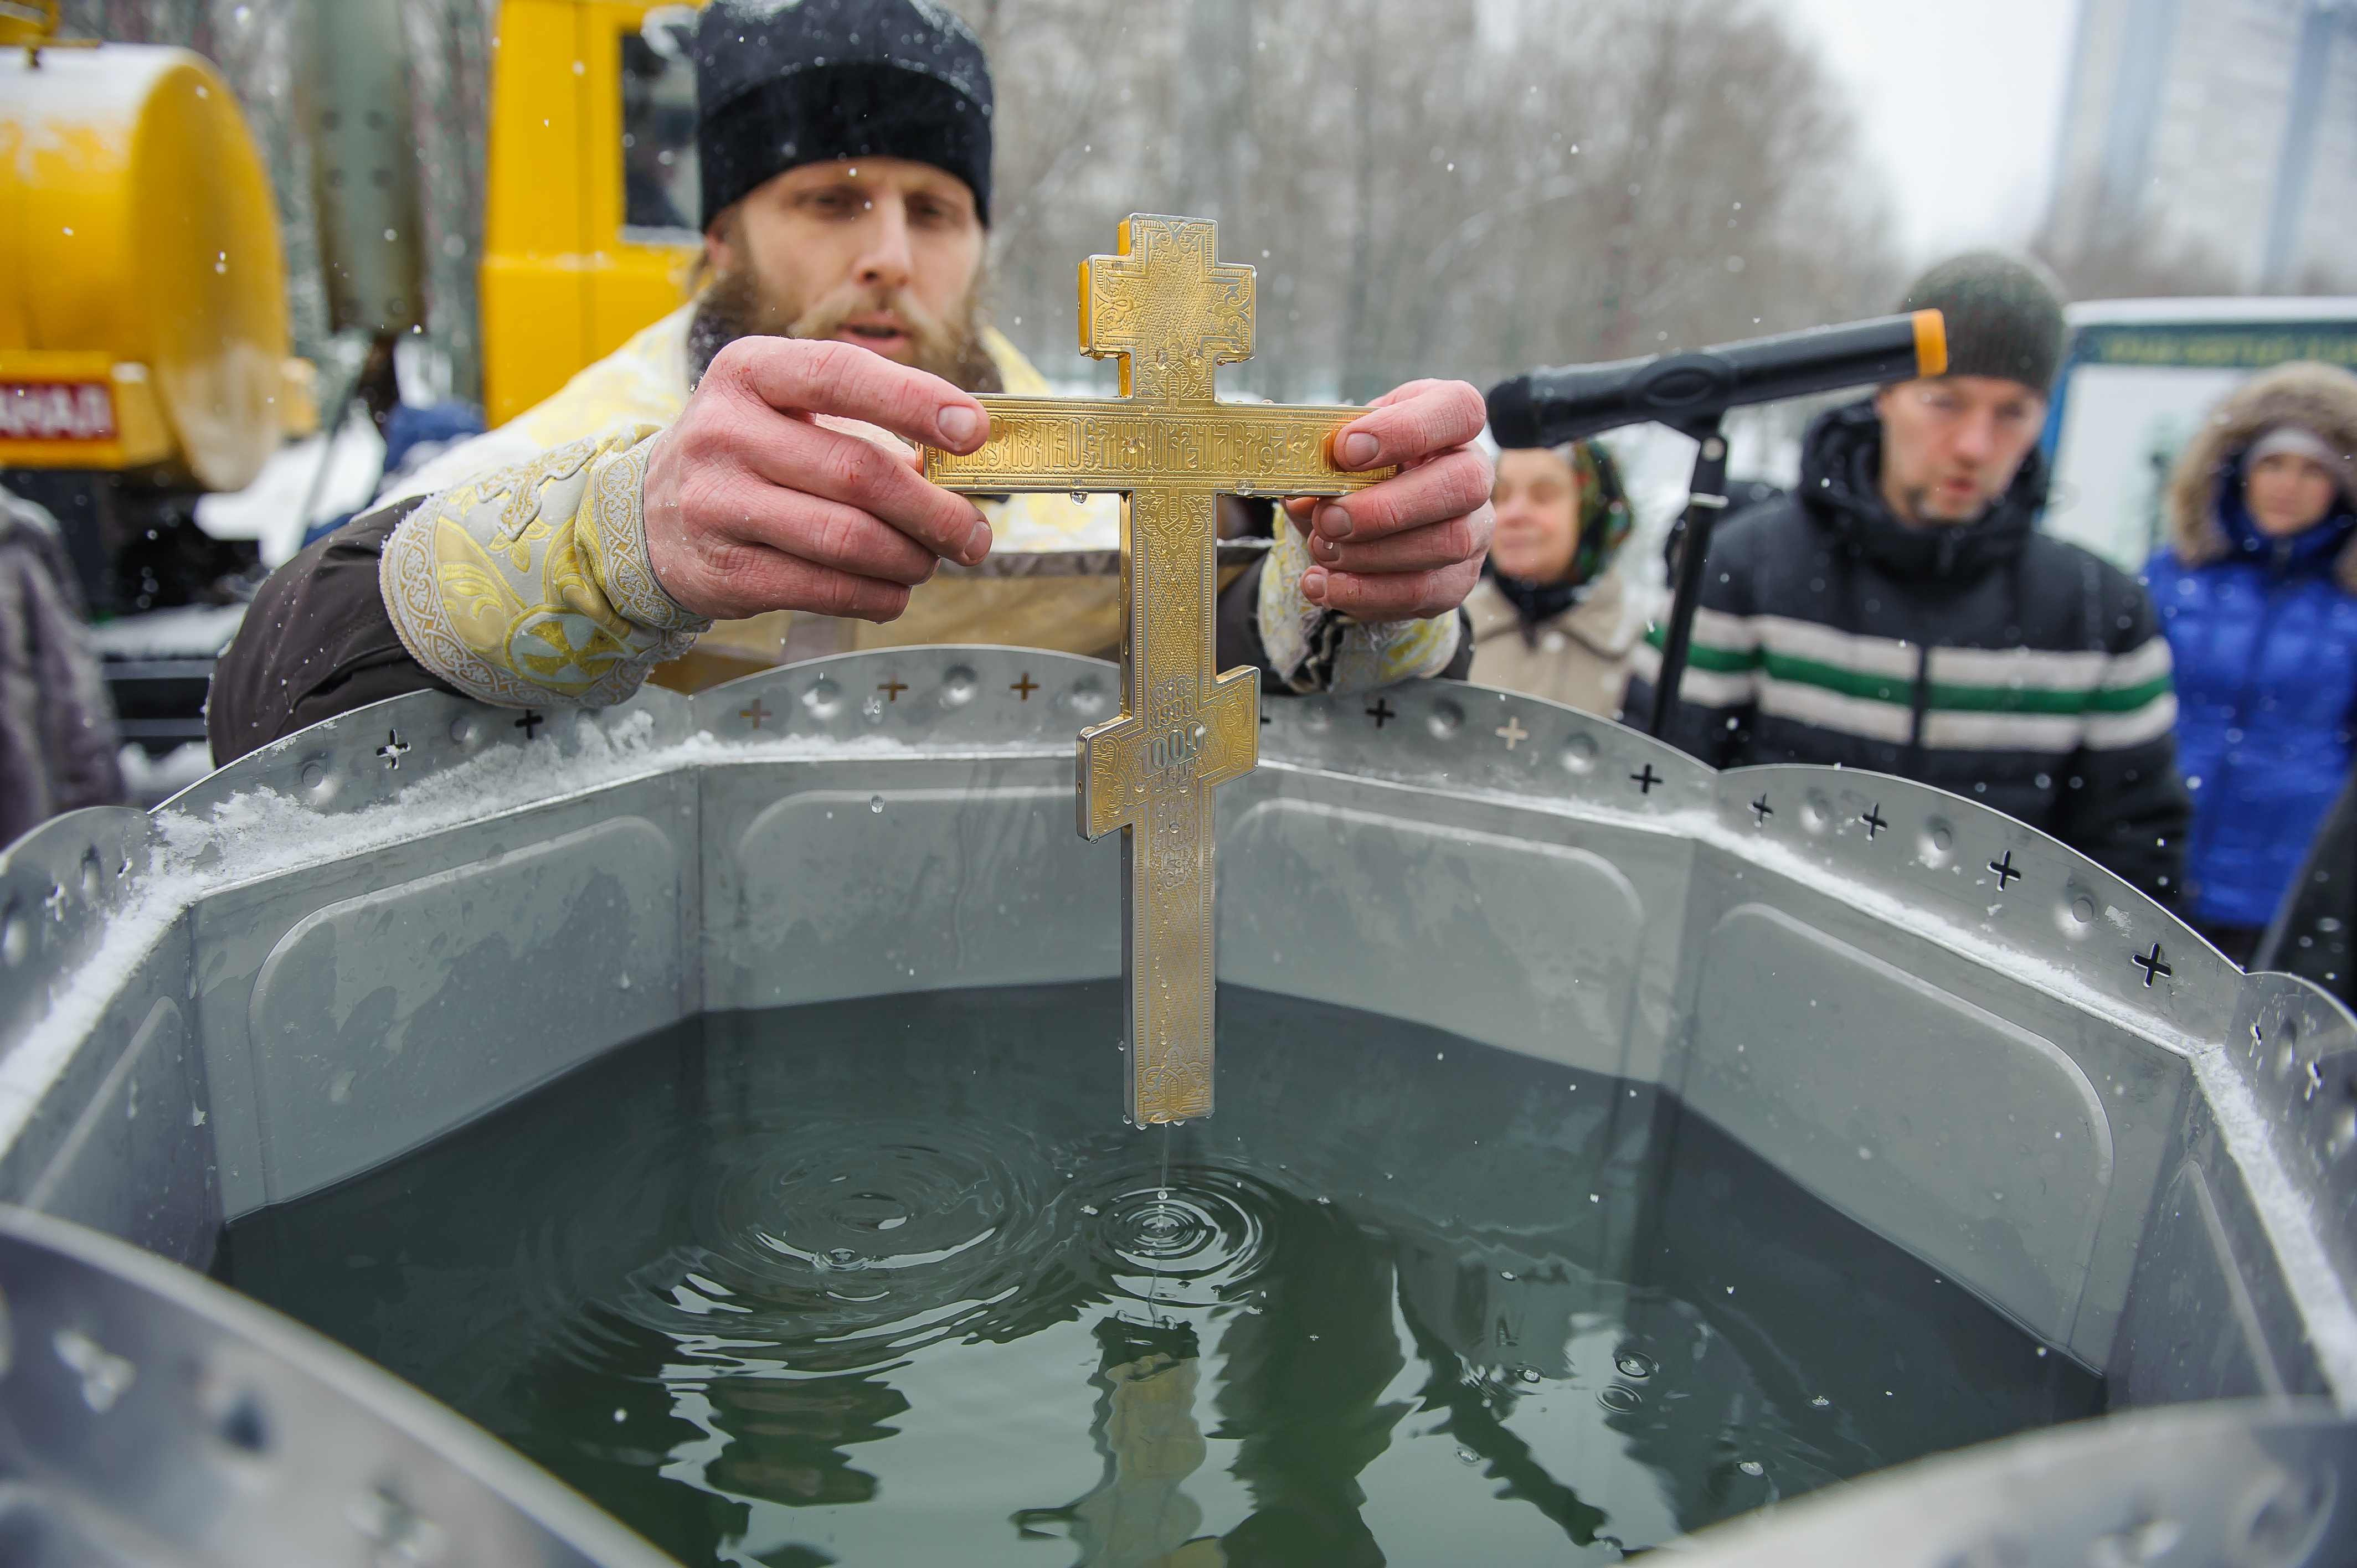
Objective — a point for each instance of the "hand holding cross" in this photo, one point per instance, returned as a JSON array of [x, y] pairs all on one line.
[[763, 496]]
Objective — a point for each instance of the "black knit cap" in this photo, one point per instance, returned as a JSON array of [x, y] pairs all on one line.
[[2004, 316], [780, 84]]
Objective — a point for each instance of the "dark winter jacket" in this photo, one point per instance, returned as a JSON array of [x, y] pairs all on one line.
[[2265, 637], [57, 741], [1985, 659]]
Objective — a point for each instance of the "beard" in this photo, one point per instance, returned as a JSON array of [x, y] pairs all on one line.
[[734, 306]]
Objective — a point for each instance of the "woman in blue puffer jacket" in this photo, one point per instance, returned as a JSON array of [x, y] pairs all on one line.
[[2257, 596]]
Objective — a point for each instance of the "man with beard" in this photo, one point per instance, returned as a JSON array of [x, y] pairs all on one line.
[[1899, 612], [745, 455]]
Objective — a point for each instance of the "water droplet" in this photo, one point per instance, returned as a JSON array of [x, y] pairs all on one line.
[[876, 803], [619, 1416], [1751, 1467], [1466, 1456], [1529, 1374], [2041, 1351], [1821, 1402], [104, 1376], [1090, 1208], [1620, 1397], [1506, 1274], [1080, 498], [1636, 1364]]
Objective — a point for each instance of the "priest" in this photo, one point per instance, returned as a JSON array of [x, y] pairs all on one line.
[[739, 476]]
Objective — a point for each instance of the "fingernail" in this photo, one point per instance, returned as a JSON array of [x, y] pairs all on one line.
[[958, 424], [977, 544], [1313, 585], [1358, 450], [1333, 521], [1323, 548]]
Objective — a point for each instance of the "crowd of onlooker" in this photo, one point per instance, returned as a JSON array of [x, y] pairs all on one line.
[[1899, 611]]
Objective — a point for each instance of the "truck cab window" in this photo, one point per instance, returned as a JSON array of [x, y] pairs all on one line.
[[660, 198]]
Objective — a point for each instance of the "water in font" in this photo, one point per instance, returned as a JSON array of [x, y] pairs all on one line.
[[889, 1281]]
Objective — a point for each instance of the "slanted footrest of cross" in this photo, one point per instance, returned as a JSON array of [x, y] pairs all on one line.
[[1122, 759]]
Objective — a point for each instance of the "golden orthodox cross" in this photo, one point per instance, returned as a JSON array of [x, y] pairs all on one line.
[[1170, 311]]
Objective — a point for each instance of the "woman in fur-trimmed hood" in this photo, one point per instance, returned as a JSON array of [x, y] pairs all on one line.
[[2257, 591]]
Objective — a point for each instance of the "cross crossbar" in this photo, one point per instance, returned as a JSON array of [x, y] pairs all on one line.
[[1082, 444]]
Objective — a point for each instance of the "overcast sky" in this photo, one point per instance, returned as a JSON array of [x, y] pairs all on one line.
[[1958, 99]]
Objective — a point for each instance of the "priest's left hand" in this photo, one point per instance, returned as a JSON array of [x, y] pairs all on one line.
[[1411, 546]]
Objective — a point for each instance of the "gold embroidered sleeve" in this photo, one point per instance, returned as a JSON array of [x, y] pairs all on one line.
[[1311, 649], [530, 587]]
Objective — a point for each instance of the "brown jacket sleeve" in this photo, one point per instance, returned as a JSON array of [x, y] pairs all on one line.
[[317, 642]]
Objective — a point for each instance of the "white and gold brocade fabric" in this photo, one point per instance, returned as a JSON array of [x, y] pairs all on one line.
[[531, 585], [1315, 650]]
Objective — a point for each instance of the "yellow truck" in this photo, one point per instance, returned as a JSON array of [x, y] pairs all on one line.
[[143, 309], [144, 320], [589, 226], [143, 315]]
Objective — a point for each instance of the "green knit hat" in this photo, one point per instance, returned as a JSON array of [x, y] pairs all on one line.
[[2004, 316]]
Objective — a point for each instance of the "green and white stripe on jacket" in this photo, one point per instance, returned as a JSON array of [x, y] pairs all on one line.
[[2014, 698]]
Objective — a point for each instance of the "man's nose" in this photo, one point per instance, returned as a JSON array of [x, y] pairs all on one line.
[[885, 261], [1976, 436]]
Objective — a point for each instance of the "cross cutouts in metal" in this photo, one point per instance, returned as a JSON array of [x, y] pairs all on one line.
[[1761, 811], [2314, 1074], [1022, 688], [1872, 818], [1646, 780], [1383, 712], [753, 714], [392, 747], [2152, 964], [892, 689], [530, 724], [1171, 313], [54, 901], [1512, 733], [2004, 867]]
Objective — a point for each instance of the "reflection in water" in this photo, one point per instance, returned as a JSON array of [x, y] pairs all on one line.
[[1140, 1516], [886, 1283]]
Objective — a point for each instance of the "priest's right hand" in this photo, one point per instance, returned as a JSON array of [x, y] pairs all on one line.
[[778, 487]]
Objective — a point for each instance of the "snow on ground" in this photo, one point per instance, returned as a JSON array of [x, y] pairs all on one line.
[[270, 509]]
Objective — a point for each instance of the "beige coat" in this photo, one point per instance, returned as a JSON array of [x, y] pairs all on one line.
[[1580, 658]]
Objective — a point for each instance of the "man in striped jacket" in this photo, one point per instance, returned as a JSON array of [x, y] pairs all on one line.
[[1900, 612]]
